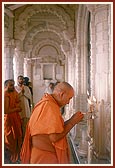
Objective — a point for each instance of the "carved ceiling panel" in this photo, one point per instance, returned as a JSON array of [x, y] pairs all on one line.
[[42, 15], [35, 23]]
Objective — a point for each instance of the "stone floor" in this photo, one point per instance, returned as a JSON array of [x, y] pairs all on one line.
[[7, 158], [73, 157]]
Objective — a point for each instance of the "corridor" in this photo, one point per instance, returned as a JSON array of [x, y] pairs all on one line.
[[72, 42]]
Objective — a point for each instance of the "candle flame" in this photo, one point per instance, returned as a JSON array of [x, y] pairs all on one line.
[[87, 92], [94, 99], [89, 101]]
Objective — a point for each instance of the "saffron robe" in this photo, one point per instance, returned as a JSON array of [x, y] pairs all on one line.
[[46, 118], [12, 128]]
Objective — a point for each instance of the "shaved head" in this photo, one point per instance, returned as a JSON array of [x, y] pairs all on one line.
[[62, 86], [63, 93]]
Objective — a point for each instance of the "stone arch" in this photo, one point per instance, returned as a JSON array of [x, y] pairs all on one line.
[[42, 43], [20, 24], [48, 45], [37, 29], [36, 49], [32, 33]]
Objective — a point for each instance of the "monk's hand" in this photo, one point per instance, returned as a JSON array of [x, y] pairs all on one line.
[[77, 117], [23, 89]]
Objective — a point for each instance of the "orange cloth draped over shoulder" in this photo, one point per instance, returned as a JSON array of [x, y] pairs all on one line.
[[12, 127], [46, 118]]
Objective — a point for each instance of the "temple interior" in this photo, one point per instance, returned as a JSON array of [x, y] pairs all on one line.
[[54, 42]]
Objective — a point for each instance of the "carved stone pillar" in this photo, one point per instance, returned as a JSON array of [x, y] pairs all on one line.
[[18, 60], [107, 126], [28, 69], [8, 58], [41, 71], [100, 70], [65, 47], [54, 71]]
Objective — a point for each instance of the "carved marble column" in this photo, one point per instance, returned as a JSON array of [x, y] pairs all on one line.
[[42, 71], [80, 70], [100, 70], [28, 68], [65, 47], [8, 58], [107, 126], [54, 71], [18, 60]]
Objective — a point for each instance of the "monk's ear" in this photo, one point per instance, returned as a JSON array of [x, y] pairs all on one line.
[[61, 94]]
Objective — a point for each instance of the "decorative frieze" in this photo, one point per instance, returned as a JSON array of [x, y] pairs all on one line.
[[20, 24]]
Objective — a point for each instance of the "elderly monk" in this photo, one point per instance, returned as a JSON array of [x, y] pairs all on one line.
[[45, 140], [12, 121]]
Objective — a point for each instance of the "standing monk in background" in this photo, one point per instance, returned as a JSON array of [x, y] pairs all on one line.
[[12, 122], [45, 140], [24, 95], [27, 83]]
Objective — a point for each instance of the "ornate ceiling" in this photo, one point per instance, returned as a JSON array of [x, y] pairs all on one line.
[[38, 25]]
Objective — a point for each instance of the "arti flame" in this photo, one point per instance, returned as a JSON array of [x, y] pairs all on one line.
[[89, 101], [94, 99], [87, 93]]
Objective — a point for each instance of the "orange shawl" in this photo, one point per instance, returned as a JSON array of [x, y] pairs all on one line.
[[12, 127], [46, 119]]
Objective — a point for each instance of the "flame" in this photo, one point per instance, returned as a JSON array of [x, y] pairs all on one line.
[[87, 92], [94, 99], [89, 101]]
